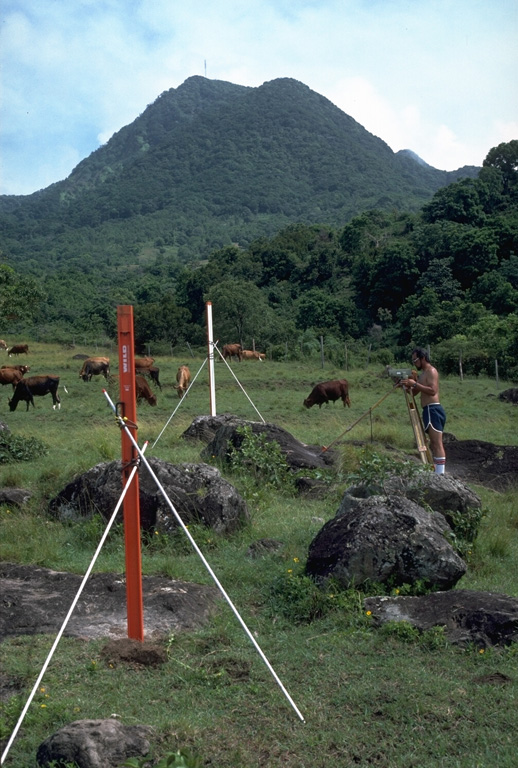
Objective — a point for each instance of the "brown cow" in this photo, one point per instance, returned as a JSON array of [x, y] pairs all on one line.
[[183, 379], [142, 389], [233, 350], [144, 362], [95, 366], [338, 389], [3, 345], [249, 354], [18, 349], [153, 373], [21, 368], [10, 376], [35, 385]]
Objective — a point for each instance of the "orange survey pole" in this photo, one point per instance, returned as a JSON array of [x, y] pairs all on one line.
[[128, 411]]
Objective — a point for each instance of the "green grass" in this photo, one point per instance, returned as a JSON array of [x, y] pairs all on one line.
[[390, 699]]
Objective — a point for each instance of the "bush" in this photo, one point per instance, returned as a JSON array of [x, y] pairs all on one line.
[[13, 448], [262, 459]]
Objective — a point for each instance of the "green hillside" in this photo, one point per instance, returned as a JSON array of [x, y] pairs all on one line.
[[209, 164]]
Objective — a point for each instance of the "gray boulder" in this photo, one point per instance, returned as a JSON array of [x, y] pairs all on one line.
[[15, 497], [36, 600], [94, 744], [297, 454], [197, 492], [443, 493], [385, 539], [204, 428], [482, 618]]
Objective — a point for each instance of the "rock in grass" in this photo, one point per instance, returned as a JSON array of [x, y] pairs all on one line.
[[94, 744], [385, 539]]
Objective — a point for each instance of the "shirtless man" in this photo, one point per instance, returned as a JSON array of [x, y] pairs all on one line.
[[434, 417]]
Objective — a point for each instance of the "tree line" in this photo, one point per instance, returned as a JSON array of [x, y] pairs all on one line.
[[445, 276]]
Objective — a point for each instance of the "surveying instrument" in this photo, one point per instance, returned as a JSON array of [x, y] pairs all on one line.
[[396, 374]]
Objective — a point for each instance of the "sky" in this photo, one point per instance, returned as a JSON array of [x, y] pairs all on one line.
[[439, 77]]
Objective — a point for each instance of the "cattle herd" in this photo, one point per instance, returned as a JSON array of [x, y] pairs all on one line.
[[26, 387]]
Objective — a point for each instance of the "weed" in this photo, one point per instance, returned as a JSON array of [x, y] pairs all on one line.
[[262, 459], [375, 469], [16, 448]]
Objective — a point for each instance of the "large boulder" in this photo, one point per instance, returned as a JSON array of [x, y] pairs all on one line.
[[477, 461], [36, 601], [298, 455], [482, 618], [94, 744], [385, 539], [204, 427], [197, 491], [443, 493]]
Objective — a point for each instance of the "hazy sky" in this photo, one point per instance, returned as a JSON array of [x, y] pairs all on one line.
[[435, 76]]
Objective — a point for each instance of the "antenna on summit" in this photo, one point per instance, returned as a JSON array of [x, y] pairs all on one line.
[[205, 65]]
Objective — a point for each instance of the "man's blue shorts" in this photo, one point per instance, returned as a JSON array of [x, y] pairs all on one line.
[[434, 416]]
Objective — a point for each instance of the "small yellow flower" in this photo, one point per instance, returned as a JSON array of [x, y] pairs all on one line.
[[369, 613], [43, 706], [481, 650], [396, 591], [289, 570], [295, 559], [42, 689]]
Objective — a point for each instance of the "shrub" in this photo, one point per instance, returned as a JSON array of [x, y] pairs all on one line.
[[262, 459], [14, 448]]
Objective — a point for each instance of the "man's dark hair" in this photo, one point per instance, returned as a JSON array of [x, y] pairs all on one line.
[[420, 353]]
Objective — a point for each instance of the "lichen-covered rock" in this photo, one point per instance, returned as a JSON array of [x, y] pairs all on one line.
[[94, 744], [385, 539], [198, 492], [468, 616]]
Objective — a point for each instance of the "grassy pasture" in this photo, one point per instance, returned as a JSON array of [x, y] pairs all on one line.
[[387, 699]]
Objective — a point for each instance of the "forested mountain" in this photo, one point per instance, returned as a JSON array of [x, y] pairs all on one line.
[[286, 214], [208, 164]]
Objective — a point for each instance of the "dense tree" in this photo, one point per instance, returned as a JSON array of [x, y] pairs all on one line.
[[20, 297], [504, 157]]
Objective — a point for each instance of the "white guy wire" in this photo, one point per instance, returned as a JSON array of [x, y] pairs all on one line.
[[234, 375], [202, 558], [179, 404], [69, 614]]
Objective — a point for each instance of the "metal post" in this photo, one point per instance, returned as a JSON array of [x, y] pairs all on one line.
[[210, 354], [129, 458]]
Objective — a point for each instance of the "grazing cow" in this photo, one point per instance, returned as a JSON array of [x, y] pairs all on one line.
[[152, 372], [35, 385], [18, 349], [95, 366], [144, 362], [3, 345], [249, 354], [233, 350], [183, 379], [10, 376], [21, 368], [142, 389], [337, 389]]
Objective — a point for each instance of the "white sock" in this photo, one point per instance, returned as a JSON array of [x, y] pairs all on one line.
[[440, 463]]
